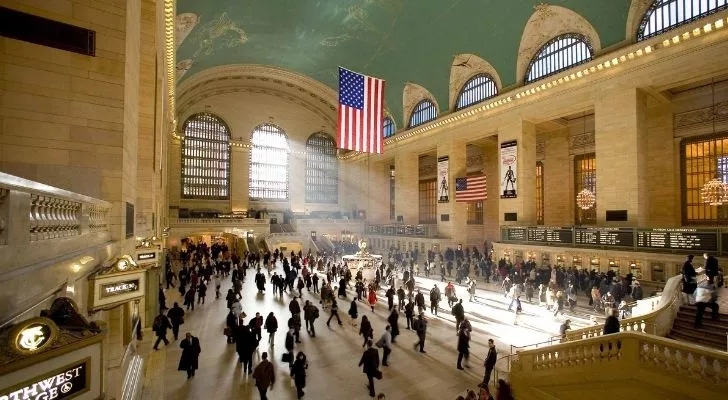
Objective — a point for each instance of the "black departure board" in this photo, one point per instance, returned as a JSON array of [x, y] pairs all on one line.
[[616, 237], [544, 234], [678, 239], [515, 234]]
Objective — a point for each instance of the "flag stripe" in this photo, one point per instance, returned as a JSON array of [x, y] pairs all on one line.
[[360, 112], [471, 188]]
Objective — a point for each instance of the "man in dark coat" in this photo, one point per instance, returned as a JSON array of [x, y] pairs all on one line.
[[459, 312], [420, 326], [176, 316], [310, 313], [611, 325], [490, 360], [390, 298], [264, 375], [409, 313], [370, 365], [160, 326], [245, 345], [463, 347], [393, 322], [190, 354], [711, 267]]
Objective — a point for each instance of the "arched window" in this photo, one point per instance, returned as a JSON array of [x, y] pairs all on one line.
[[268, 163], [425, 111], [664, 15], [478, 88], [322, 170], [559, 54], [206, 158], [388, 127]]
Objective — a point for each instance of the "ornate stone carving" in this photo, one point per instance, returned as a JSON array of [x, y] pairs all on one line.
[[413, 94], [581, 141], [702, 115], [475, 160], [546, 23], [98, 219], [52, 217], [540, 147]]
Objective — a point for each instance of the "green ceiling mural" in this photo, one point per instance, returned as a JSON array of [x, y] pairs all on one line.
[[398, 40]]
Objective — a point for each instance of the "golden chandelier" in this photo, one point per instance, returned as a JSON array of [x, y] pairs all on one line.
[[715, 192], [586, 199]]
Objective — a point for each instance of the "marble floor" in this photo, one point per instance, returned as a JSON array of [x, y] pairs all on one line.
[[334, 353]]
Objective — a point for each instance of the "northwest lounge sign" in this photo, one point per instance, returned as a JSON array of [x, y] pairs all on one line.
[[119, 288], [65, 383]]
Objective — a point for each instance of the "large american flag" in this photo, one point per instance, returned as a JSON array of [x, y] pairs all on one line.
[[361, 100], [471, 188]]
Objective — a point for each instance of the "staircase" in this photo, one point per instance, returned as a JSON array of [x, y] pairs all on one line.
[[712, 334]]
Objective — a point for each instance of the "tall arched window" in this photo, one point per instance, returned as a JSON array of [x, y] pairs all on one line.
[[206, 158], [559, 54], [664, 15], [478, 88], [425, 111], [388, 127], [268, 163], [322, 169]]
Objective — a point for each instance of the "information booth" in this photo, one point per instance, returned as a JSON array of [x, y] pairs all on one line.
[[58, 355]]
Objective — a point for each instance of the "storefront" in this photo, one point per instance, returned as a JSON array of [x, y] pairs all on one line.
[[58, 355]]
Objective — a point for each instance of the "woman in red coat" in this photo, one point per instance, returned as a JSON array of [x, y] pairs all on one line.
[[372, 297]]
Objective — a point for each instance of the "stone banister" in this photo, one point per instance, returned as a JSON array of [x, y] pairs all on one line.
[[683, 369], [658, 322]]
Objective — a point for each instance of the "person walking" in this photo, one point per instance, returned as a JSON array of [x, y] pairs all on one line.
[[315, 281], [490, 360], [463, 346], [370, 366], [564, 328], [191, 350], [400, 298], [353, 312], [390, 298], [393, 320], [160, 325], [264, 375], [434, 300], [365, 330], [409, 313], [245, 345], [298, 373], [334, 313], [690, 279], [705, 297], [256, 327], [289, 344], [190, 298], [217, 283], [459, 312], [420, 326], [372, 297], [271, 326], [310, 313], [231, 327], [611, 324], [201, 292], [176, 316], [385, 343]]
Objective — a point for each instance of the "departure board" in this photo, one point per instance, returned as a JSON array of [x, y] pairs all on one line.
[[678, 239], [616, 237], [515, 234], [557, 235]]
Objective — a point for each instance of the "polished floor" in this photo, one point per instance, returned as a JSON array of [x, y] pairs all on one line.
[[334, 353]]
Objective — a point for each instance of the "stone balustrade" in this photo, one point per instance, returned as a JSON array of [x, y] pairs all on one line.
[[658, 322], [33, 213], [236, 222], [624, 357]]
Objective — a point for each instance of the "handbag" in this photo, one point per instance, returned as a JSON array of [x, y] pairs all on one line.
[[378, 374], [287, 357], [226, 331]]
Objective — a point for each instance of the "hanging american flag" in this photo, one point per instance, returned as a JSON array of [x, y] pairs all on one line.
[[361, 100], [471, 188]]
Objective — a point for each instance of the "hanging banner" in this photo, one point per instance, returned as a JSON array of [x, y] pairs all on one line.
[[508, 169], [443, 179]]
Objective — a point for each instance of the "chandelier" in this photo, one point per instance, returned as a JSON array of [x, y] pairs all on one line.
[[714, 192], [586, 199]]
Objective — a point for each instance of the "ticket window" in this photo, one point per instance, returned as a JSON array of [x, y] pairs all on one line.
[[635, 269], [594, 263], [614, 265], [658, 272], [560, 261], [576, 262]]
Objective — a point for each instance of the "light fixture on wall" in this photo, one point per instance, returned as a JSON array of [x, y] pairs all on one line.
[[714, 192], [586, 199]]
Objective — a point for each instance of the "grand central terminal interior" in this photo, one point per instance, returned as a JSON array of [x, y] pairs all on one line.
[[183, 182]]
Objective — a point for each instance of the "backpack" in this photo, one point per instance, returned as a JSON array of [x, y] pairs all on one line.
[[157, 325], [315, 312], [416, 325]]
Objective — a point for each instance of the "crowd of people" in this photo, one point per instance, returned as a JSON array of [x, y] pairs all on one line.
[[202, 266]]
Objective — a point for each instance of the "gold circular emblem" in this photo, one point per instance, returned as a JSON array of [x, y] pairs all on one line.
[[33, 335]]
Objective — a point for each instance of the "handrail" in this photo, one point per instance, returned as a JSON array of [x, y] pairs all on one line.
[[658, 322], [13, 182]]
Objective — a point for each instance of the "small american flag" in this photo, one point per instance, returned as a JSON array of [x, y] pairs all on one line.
[[361, 100], [471, 188]]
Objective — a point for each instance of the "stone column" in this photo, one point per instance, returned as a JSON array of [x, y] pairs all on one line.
[[558, 179], [407, 177], [239, 178], [524, 205], [491, 219], [456, 227], [374, 189], [620, 142]]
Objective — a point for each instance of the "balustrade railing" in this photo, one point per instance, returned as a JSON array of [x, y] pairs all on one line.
[[217, 221], [658, 322]]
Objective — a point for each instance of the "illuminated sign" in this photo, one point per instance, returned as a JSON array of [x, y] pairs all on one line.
[[66, 383], [33, 335], [117, 288], [146, 256]]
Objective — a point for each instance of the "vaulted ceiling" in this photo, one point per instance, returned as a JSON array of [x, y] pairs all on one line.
[[397, 40]]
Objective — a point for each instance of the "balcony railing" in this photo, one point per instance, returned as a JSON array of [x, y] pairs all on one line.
[[234, 222], [420, 230]]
